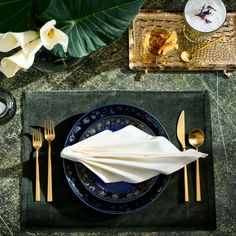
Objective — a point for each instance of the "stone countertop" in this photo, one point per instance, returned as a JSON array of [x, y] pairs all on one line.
[[108, 70]]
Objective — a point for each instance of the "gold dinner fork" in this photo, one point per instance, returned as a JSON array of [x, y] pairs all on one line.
[[37, 144], [49, 135]]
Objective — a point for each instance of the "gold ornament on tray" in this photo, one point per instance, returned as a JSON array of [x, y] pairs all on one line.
[[158, 42]]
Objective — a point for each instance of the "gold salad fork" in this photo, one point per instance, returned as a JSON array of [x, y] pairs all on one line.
[[49, 135], [37, 140]]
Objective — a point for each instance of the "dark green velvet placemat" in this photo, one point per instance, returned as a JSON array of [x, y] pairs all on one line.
[[168, 212]]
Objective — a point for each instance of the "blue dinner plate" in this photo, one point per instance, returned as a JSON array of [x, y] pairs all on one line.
[[119, 197]]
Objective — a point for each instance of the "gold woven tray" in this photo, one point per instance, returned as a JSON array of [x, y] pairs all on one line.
[[219, 56]]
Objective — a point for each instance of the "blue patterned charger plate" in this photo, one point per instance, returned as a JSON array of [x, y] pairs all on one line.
[[119, 197]]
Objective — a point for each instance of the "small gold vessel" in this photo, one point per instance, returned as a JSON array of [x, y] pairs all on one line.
[[157, 43], [154, 39]]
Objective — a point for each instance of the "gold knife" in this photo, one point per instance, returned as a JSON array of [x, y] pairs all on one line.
[[181, 138]]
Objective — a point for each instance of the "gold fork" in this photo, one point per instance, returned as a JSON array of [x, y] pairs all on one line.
[[49, 135], [37, 144]]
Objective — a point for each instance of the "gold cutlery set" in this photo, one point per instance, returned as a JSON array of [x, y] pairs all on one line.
[[37, 141], [196, 138]]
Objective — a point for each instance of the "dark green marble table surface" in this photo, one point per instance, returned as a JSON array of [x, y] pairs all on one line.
[[108, 70]]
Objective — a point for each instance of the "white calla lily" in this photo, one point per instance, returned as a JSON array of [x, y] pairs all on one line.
[[11, 40], [10, 65], [51, 36], [30, 43]]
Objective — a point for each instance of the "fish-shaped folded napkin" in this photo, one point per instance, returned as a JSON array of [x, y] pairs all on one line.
[[129, 155]]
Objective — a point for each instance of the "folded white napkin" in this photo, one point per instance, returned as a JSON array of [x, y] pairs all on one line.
[[129, 155]]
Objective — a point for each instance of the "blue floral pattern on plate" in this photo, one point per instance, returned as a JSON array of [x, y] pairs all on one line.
[[119, 191], [120, 197]]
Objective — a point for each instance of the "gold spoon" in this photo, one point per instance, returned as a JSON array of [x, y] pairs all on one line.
[[187, 56], [196, 138]]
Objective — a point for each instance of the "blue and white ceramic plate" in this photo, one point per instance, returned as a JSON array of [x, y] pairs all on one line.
[[120, 197]]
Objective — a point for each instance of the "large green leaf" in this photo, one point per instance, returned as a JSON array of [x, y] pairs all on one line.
[[16, 15], [41, 5], [91, 24]]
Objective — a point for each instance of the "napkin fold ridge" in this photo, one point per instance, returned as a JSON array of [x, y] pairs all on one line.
[[129, 155]]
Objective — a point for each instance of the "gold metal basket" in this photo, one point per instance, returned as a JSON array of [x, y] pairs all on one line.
[[219, 56]]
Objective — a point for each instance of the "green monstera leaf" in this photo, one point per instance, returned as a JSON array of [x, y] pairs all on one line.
[[16, 15], [41, 5], [91, 24]]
